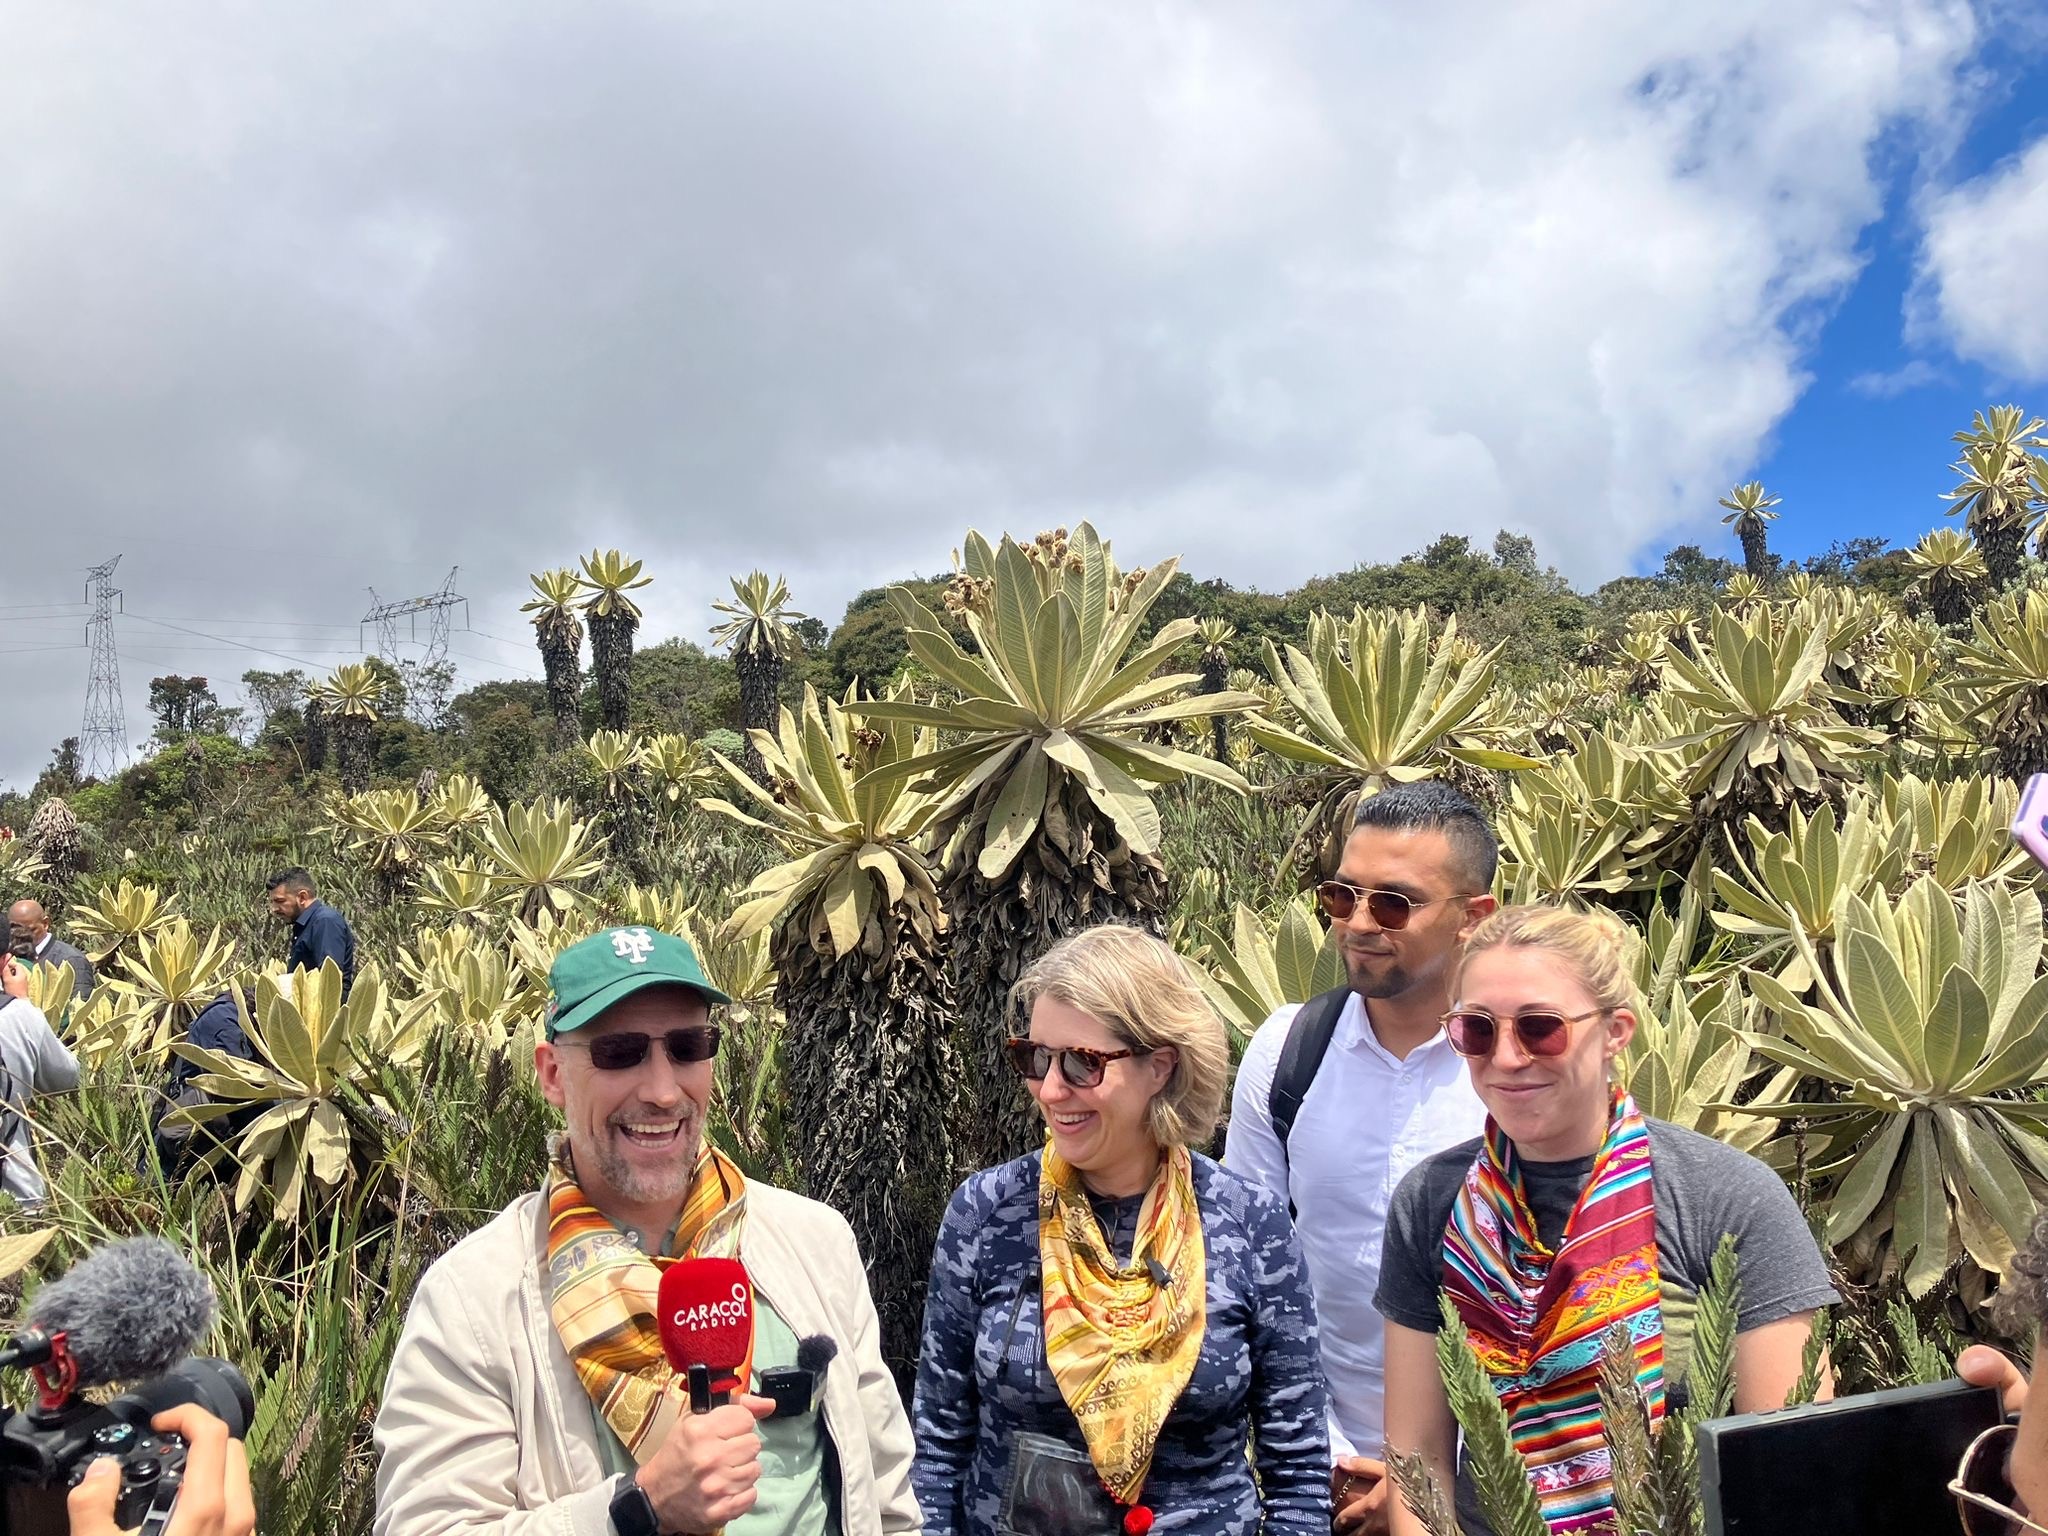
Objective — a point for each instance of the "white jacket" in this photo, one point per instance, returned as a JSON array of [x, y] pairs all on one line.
[[485, 1427]]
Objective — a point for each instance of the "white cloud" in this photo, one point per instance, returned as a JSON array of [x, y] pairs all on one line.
[[1889, 384], [815, 288], [1981, 264]]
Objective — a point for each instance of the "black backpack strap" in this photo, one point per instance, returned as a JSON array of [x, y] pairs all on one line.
[[1308, 1041]]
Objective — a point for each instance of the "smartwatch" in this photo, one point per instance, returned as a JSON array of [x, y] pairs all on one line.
[[632, 1510]]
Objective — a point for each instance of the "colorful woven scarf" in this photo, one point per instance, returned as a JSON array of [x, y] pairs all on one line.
[[1121, 1346], [1537, 1319], [601, 1295]]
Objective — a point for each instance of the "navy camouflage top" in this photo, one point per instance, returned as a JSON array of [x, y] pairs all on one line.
[[1258, 1387]]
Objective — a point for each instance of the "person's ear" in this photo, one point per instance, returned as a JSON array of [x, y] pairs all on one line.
[[1477, 910], [1163, 1061], [547, 1066], [1621, 1029]]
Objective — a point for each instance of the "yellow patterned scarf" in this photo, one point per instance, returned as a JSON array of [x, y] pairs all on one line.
[[1121, 1347], [601, 1295]]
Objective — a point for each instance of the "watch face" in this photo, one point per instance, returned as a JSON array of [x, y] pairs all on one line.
[[632, 1511]]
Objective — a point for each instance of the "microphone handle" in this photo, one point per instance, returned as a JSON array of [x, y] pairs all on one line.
[[702, 1398]]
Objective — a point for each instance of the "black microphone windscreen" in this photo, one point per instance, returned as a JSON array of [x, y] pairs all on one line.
[[813, 1354], [131, 1309]]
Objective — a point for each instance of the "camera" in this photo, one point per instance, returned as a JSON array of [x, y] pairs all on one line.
[[45, 1449], [129, 1313]]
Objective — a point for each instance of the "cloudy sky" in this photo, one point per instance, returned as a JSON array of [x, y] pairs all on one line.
[[296, 302]]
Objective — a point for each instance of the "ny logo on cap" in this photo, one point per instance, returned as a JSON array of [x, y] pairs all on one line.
[[633, 944]]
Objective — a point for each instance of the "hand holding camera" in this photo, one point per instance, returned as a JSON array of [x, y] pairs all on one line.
[[214, 1497]]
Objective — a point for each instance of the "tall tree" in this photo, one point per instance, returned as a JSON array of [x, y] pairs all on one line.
[[1948, 568], [350, 699], [1996, 490], [1216, 635], [559, 634], [1045, 790], [758, 634], [1749, 509], [862, 981], [613, 617]]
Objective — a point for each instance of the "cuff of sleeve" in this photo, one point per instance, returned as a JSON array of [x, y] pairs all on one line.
[[589, 1513]]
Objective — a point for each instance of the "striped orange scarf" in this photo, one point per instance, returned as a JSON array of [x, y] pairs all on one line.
[[1121, 1347], [601, 1295]]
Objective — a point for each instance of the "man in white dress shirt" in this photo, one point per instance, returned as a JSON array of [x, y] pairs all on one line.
[[1415, 879]]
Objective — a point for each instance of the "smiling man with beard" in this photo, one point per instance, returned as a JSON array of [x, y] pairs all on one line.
[[1335, 1100], [529, 1392]]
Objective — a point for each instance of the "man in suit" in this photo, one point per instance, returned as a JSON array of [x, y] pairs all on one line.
[[28, 930]]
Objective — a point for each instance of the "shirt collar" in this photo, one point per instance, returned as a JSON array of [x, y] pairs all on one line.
[[311, 907], [43, 943], [1355, 1030]]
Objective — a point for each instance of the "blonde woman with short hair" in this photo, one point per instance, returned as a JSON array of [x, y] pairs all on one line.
[[1115, 1319], [1573, 1213]]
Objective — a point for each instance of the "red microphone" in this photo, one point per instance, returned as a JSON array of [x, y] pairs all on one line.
[[706, 1309]]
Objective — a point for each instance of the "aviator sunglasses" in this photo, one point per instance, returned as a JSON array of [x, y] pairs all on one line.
[[1081, 1067], [1388, 909], [626, 1050], [1983, 1489], [1539, 1032]]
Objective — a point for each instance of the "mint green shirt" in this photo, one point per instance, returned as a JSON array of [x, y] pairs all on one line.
[[796, 1496]]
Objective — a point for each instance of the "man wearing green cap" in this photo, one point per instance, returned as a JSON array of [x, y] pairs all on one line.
[[529, 1394]]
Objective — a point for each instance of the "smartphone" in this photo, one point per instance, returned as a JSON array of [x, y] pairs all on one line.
[[1873, 1465], [2030, 824]]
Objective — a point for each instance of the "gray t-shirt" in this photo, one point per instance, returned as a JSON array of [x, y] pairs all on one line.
[[1702, 1188]]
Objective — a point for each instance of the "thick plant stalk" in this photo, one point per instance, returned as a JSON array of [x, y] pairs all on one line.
[[1630, 1449], [1499, 1475], [1712, 1377], [1424, 1495], [1807, 1387]]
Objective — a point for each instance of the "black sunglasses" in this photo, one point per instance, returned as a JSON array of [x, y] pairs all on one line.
[[627, 1049], [1983, 1487], [1388, 909], [1081, 1067], [1473, 1031]]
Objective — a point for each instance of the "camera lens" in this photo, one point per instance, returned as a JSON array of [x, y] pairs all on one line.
[[214, 1385]]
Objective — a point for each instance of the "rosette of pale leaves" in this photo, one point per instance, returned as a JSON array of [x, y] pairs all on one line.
[[1265, 965], [1571, 830], [1765, 727], [540, 854], [853, 826], [1960, 830], [1052, 692], [1784, 888], [390, 829], [119, 915], [758, 618], [316, 1063], [1924, 1031], [2004, 675], [161, 987], [1379, 697], [676, 767], [462, 889]]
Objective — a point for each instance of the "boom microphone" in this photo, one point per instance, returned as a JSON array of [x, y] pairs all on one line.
[[132, 1309], [706, 1311]]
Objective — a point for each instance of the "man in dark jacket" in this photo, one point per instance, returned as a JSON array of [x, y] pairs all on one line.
[[29, 937], [178, 1146], [318, 931]]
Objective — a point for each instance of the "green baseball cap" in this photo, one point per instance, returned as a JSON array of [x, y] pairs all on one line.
[[593, 973]]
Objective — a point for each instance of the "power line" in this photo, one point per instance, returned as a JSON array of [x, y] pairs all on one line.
[[261, 650]]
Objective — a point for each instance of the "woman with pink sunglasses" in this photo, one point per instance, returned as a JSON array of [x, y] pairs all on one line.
[[1572, 1213]]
